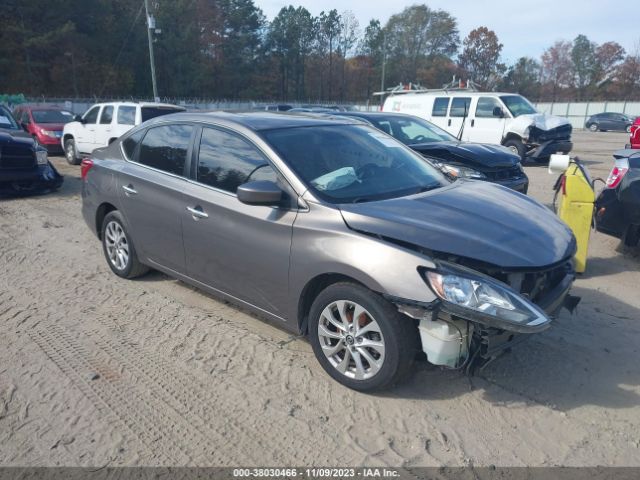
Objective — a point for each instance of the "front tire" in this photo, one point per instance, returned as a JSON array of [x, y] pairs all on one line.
[[628, 129], [118, 248], [70, 152], [359, 338], [593, 127], [517, 147]]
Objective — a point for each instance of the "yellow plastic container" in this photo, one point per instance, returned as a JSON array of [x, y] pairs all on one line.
[[575, 208]]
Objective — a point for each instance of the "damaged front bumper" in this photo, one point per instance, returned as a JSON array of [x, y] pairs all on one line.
[[490, 336], [545, 150], [37, 179]]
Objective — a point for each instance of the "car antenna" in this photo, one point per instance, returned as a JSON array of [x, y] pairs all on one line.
[[464, 119]]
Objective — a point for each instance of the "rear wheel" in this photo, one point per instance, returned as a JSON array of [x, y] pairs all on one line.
[[70, 152], [628, 128], [118, 248], [359, 338], [593, 127]]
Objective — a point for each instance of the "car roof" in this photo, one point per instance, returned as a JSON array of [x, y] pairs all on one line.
[[140, 104], [253, 120]]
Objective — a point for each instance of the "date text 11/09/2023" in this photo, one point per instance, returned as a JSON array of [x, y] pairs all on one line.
[[315, 473]]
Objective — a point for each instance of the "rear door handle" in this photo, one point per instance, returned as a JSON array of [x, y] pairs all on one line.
[[197, 212], [129, 190]]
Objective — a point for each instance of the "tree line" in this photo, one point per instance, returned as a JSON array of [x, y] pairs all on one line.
[[228, 49]]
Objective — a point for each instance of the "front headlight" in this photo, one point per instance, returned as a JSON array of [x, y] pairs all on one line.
[[41, 156], [487, 297], [458, 171], [48, 133]]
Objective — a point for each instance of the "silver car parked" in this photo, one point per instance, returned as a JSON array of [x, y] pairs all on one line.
[[335, 230]]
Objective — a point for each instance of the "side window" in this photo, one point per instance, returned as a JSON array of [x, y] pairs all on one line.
[[485, 107], [226, 161], [166, 147], [130, 143], [126, 115], [460, 106], [92, 115], [107, 115], [440, 106]]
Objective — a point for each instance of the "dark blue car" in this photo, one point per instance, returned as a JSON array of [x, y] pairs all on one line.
[[24, 165]]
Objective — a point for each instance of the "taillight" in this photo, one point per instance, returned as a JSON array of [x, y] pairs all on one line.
[[85, 166], [619, 170]]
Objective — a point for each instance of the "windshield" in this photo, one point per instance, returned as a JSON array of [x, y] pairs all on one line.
[[6, 120], [353, 163], [518, 105], [51, 116], [152, 112], [411, 131]]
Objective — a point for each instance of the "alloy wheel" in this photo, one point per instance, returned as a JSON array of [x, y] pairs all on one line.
[[117, 245], [351, 339], [70, 152]]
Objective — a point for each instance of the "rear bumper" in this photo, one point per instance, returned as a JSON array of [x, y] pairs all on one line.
[[546, 149], [43, 177], [609, 217]]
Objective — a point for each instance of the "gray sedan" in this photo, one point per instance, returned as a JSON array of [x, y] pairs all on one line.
[[335, 230]]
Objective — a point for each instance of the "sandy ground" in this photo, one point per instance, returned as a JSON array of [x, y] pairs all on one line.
[[99, 371]]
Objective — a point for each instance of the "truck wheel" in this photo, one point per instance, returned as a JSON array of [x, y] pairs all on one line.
[[517, 147], [70, 152], [359, 338]]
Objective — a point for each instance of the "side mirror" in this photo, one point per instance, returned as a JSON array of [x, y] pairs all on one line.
[[262, 192], [497, 112], [78, 118]]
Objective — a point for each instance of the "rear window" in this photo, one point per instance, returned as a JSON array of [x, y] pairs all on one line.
[[440, 107], [165, 148], [127, 115], [152, 112], [130, 143]]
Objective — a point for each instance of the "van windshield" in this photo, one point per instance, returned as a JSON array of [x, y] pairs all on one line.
[[353, 163], [518, 105]]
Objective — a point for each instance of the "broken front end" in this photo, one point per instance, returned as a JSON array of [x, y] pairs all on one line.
[[483, 311]]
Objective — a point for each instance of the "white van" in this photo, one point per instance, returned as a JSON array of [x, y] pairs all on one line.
[[104, 122], [488, 117]]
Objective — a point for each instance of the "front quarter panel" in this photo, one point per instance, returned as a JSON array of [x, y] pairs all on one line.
[[323, 244]]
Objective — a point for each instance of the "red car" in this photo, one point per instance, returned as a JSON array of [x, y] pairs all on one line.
[[635, 134], [45, 124]]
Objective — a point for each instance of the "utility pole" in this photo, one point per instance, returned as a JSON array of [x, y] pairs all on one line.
[[151, 24], [384, 64]]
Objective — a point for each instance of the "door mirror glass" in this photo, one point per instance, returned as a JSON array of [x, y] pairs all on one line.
[[497, 112], [261, 192]]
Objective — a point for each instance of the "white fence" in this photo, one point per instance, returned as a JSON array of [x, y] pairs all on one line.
[[578, 113]]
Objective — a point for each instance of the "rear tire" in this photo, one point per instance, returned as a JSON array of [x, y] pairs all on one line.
[[360, 339], [118, 247], [593, 127], [517, 147], [632, 236], [70, 152]]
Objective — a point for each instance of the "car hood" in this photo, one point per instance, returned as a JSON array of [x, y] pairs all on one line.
[[542, 121], [55, 127], [14, 133], [477, 220], [474, 154]]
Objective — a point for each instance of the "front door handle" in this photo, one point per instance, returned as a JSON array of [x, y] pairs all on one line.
[[449, 124], [473, 122], [197, 212], [129, 190]]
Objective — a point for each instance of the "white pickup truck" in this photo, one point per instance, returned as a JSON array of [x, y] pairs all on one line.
[[489, 117], [104, 122]]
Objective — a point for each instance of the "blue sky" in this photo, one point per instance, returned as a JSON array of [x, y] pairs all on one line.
[[524, 27]]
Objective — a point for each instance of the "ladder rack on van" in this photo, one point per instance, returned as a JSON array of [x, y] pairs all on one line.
[[454, 86]]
